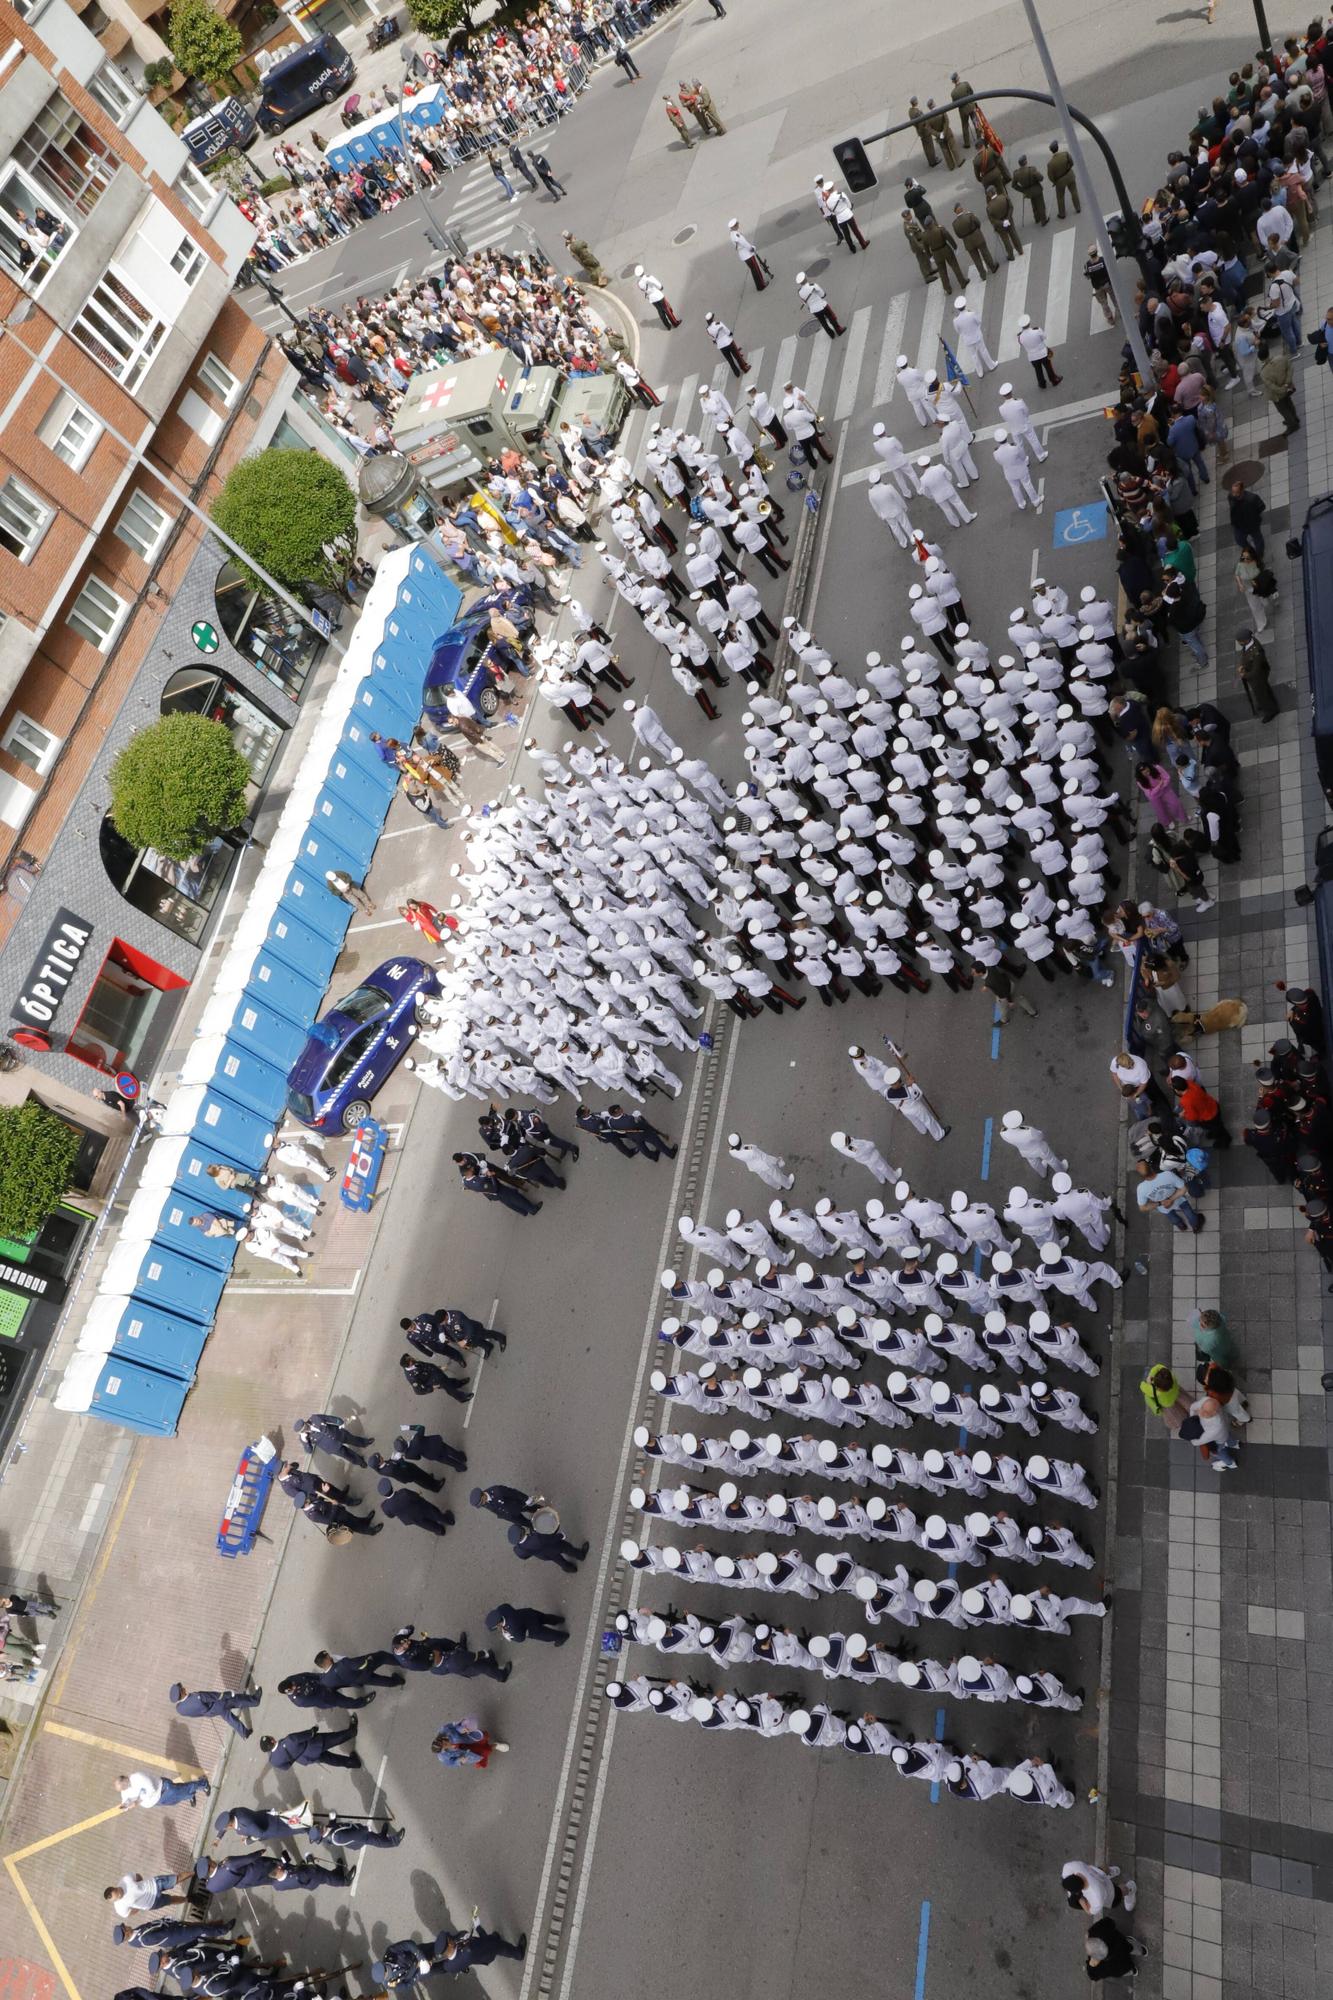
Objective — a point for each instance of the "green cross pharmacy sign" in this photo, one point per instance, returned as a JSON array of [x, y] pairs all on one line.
[[205, 637]]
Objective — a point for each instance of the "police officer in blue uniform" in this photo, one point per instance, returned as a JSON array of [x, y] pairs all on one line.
[[519, 1622], [309, 1690], [219, 1702], [413, 1509], [329, 1434]]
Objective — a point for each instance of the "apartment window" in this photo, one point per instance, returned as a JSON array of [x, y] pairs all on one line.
[[118, 329], [31, 237], [188, 261], [219, 379], [23, 519], [70, 431], [66, 157], [196, 190], [142, 525], [28, 743], [113, 92], [96, 614]]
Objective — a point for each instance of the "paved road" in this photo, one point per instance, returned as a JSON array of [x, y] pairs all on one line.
[[674, 1860]]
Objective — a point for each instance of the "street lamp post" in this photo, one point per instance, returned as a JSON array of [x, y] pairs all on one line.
[[1128, 316], [433, 238], [181, 498], [278, 297]]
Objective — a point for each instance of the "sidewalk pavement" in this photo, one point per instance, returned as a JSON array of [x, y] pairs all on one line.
[[1221, 1754]]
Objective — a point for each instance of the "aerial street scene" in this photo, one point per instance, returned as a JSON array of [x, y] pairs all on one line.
[[709, 622]]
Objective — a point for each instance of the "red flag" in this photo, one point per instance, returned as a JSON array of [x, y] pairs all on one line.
[[989, 136]]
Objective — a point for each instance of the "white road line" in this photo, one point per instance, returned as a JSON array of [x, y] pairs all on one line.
[[361, 1852], [1097, 320], [295, 1289], [402, 832], [381, 924], [610, 1541], [706, 427], [819, 361], [490, 1324], [1058, 285], [928, 347], [683, 400], [783, 373], [1015, 292], [608, 1735], [886, 374], [853, 356]]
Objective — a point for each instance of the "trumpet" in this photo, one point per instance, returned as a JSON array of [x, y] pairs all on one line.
[[764, 509]]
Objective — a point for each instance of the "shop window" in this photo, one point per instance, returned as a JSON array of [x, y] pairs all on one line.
[[117, 1019], [177, 894], [269, 634], [203, 691]]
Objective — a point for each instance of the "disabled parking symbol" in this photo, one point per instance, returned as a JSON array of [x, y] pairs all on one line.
[[1074, 525]]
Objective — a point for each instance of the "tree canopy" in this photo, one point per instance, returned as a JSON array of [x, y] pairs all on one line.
[[438, 18], [37, 1154], [202, 44], [177, 784], [282, 506]]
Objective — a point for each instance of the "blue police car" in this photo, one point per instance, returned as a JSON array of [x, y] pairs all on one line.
[[357, 1046]]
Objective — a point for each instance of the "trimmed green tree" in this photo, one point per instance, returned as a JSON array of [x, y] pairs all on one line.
[[177, 784], [202, 44], [282, 506], [438, 18], [37, 1154]]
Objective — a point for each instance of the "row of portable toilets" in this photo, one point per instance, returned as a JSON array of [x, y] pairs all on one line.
[[139, 1345]]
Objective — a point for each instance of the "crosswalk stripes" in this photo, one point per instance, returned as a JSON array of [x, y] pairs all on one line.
[[928, 349], [683, 402], [890, 347], [818, 369], [1061, 273], [784, 372], [852, 359], [1015, 295]]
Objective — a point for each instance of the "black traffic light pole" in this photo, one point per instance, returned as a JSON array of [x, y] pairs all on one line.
[[1041, 97]]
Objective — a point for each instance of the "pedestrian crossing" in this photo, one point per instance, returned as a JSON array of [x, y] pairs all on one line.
[[854, 379], [481, 214]]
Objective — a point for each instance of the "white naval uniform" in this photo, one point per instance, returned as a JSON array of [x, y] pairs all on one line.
[[866, 1154], [768, 1166], [1034, 1147]]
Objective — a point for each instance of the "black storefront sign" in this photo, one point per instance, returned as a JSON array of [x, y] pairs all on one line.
[[52, 970], [19, 1278]]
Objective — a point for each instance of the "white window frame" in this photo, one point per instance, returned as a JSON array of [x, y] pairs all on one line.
[[90, 633], [196, 190], [41, 268], [188, 261], [139, 351], [225, 396], [43, 510], [117, 97], [146, 549], [45, 757], [65, 410]]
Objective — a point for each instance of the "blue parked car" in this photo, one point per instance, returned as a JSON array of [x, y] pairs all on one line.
[[458, 660], [357, 1046]]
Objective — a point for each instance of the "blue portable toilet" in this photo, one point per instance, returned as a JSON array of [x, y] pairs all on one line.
[[121, 1392], [358, 836], [299, 945], [316, 905], [284, 987], [131, 1331], [384, 703], [179, 1164], [250, 1025], [322, 848], [217, 1126], [160, 1218], [358, 749], [348, 780], [163, 1276], [243, 1075]]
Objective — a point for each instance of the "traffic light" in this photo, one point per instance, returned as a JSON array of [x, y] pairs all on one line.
[[854, 165], [1125, 234]]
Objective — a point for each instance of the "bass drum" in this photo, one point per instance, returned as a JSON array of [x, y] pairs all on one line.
[[546, 1521]]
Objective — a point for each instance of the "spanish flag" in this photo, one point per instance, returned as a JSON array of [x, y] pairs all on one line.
[[986, 131]]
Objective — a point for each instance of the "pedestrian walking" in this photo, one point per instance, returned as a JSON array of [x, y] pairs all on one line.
[[516, 159], [502, 179], [136, 1788], [1096, 1890], [303, 1747], [225, 1705], [413, 1509], [546, 172], [1097, 275], [624, 60], [1253, 671], [1109, 1952]]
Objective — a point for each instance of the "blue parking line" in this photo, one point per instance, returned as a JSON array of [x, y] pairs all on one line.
[[922, 1951], [995, 1035], [985, 1148]]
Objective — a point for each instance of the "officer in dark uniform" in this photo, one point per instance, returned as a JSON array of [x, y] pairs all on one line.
[[459, 1951], [967, 114], [429, 1333], [1000, 215], [329, 1434], [529, 1546], [1027, 182], [350, 1835], [424, 1376], [417, 1442], [252, 1823], [332, 1514], [481, 1177], [519, 1622], [634, 1129], [507, 1503], [312, 1746], [594, 1122], [413, 1509], [1060, 174], [917, 200], [455, 1656], [400, 1964], [969, 234], [937, 123], [221, 1703], [1305, 1018], [308, 1875], [469, 1333], [924, 131], [530, 1163], [530, 1122], [358, 1670], [308, 1690], [235, 1871], [170, 1933], [990, 169], [1319, 1232], [401, 1469], [301, 1486]]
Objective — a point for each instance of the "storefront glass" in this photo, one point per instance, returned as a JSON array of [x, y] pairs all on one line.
[[179, 894], [203, 691], [278, 643], [117, 1020]]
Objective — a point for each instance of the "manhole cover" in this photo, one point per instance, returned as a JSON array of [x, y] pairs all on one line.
[[684, 235], [813, 270], [629, 270], [785, 221], [1251, 470], [805, 331]]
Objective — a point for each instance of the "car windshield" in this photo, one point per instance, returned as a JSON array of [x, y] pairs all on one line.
[[300, 1105], [366, 1004]]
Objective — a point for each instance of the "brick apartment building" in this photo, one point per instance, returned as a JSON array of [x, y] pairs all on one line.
[[117, 322]]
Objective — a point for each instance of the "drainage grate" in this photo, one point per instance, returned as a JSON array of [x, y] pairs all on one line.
[[684, 235]]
